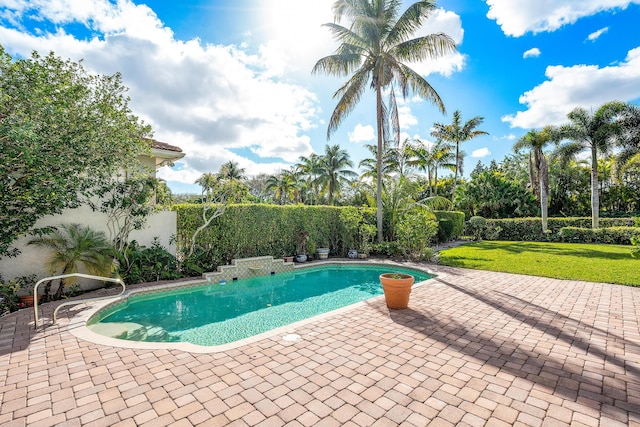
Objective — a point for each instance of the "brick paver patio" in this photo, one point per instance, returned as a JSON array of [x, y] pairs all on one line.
[[474, 348]]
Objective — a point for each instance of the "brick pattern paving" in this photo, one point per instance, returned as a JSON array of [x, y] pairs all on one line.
[[474, 348]]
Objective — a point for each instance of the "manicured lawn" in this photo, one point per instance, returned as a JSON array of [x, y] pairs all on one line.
[[589, 262]]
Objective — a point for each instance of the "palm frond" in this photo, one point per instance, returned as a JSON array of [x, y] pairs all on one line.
[[410, 21], [350, 94]]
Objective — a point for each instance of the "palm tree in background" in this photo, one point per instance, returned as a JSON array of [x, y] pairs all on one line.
[[308, 169], [207, 181], [231, 171], [283, 185], [456, 133], [431, 157], [536, 141], [597, 132], [334, 169], [629, 155], [75, 246], [369, 165], [374, 48]]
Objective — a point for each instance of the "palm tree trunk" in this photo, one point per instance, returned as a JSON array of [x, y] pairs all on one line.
[[379, 161], [435, 180], [455, 176], [595, 197], [543, 174], [544, 201]]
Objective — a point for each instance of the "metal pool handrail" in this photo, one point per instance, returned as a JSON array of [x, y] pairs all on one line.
[[80, 301]]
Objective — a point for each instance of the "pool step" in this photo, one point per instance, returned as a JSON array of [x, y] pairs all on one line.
[[129, 331]]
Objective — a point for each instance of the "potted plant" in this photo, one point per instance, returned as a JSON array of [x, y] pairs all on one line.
[[323, 253], [397, 289], [301, 245], [25, 292]]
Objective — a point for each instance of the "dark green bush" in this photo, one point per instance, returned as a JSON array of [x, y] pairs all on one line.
[[476, 227], [388, 249], [610, 235], [450, 225], [530, 229], [635, 252], [8, 297], [147, 264]]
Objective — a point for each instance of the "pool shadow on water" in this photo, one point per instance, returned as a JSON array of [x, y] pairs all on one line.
[[569, 378]]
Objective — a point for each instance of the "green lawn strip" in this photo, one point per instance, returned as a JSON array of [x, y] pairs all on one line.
[[588, 262]]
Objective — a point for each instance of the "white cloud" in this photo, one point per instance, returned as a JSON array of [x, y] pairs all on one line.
[[531, 53], [362, 133], [517, 17], [480, 152], [577, 86], [208, 99], [596, 34]]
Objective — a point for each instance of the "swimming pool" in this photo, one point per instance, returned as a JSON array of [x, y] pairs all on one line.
[[215, 314]]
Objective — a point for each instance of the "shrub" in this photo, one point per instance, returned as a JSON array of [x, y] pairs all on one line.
[[387, 249], [450, 225], [530, 229], [610, 235], [635, 252], [147, 264], [476, 227], [415, 231], [8, 297]]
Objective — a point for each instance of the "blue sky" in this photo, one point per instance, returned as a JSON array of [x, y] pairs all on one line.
[[231, 80]]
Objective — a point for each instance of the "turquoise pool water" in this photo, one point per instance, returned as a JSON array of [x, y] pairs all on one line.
[[215, 314]]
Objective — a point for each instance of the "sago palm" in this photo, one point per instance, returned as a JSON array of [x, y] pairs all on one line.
[[74, 247], [375, 47]]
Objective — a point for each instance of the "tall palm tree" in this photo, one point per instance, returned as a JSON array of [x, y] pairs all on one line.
[[334, 168], [629, 154], [536, 142], [430, 159], [231, 171], [73, 246], [369, 165], [282, 184], [374, 48], [598, 132], [308, 168], [207, 181], [456, 133]]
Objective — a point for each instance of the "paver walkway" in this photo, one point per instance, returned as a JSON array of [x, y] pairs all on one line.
[[474, 348]]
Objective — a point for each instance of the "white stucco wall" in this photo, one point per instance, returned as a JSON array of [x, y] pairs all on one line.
[[32, 260]]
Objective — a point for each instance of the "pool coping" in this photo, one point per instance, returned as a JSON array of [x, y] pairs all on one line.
[[78, 323]]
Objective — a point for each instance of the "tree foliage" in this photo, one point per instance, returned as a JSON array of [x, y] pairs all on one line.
[[62, 130]]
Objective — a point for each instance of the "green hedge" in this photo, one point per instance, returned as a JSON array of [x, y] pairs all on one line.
[[611, 235], [530, 229], [249, 230], [450, 225]]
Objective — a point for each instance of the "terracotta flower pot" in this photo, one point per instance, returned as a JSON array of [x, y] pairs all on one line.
[[27, 300], [397, 289]]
